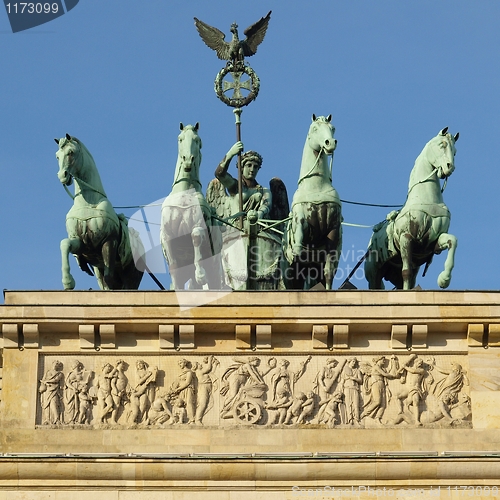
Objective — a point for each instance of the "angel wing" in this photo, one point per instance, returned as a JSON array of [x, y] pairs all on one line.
[[255, 34], [280, 207], [213, 38], [216, 197]]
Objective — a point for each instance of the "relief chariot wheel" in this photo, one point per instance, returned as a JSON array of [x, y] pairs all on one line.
[[247, 412]]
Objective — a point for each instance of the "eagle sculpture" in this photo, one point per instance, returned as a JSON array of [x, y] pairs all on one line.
[[235, 50]]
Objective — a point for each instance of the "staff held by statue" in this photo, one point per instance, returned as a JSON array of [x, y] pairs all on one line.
[[234, 52]]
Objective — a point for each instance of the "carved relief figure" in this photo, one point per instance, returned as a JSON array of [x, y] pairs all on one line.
[[159, 413], [376, 387], [277, 410], [235, 378], [324, 381], [143, 394], [119, 387], [308, 407], [350, 380], [295, 409], [456, 378], [448, 402], [333, 413], [50, 389], [284, 379], [205, 387], [85, 404], [76, 381], [416, 380], [104, 388], [179, 412], [185, 388]]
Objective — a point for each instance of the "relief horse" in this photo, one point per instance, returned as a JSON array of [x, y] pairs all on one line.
[[191, 242], [313, 235], [412, 236], [97, 236]]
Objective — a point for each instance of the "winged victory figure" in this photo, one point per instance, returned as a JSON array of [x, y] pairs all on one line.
[[235, 50]]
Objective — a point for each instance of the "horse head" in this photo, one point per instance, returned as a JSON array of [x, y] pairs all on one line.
[[189, 157], [320, 136], [441, 152], [76, 162], [69, 158]]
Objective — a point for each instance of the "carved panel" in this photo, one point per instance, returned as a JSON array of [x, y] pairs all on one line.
[[224, 390]]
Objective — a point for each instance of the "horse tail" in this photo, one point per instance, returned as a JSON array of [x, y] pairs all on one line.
[[130, 253]]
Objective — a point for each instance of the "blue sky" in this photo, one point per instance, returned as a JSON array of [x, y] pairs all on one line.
[[121, 75]]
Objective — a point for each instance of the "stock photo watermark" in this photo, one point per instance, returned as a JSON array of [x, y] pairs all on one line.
[[26, 15], [169, 228], [383, 492]]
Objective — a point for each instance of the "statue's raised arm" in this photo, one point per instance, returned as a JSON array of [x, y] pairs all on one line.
[[257, 268], [257, 200]]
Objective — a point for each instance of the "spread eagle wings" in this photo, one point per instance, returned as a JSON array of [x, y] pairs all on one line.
[[214, 38]]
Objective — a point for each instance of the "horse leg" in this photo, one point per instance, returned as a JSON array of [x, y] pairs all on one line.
[[332, 261], [449, 242], [297, 228], [99, 274], [405, 245], [109, 248], [373, 271], [177, 283], [68, 246], [198, 237], [133, 276]]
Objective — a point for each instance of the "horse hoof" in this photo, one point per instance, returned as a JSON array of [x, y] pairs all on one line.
[[69, 284], [444, 280], [297, 250], [200, 275], [201, 279]]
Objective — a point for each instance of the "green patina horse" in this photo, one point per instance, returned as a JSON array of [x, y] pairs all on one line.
[[190, 239], [313, 237], [411, 236], [97, 236]]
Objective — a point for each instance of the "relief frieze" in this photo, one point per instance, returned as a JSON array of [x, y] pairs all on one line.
[[283, 391]]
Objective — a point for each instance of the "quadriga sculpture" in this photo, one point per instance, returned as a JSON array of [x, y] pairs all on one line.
[[191, 243], [313, 237], [411, 236], [97, 236]]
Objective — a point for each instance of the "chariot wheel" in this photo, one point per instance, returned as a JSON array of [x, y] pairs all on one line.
[[247, 412]]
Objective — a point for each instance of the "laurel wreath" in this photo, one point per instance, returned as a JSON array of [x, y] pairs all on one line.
[[237, 102]]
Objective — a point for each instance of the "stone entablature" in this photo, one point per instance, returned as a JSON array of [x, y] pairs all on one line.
[[248, 320], [354, 387]]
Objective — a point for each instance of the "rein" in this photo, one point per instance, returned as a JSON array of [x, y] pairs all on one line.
[[320, 152], [186, 179], [86, 184], [434, 170], [180, 179], [81, 181]]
